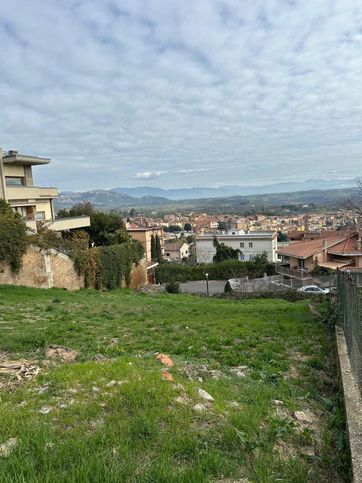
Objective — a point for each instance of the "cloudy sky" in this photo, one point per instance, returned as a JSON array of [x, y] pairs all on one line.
[[176, 93]]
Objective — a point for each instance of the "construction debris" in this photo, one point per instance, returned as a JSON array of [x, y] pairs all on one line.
[[19, 369]]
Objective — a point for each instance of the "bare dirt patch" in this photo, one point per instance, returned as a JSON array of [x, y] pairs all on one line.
[[63, 353]]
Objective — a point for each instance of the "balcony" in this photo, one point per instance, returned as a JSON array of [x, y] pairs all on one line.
[[71, 223], [301, 274], [14, 193]]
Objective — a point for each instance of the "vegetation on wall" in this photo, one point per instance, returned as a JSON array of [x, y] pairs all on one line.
[[180, 272], [13, 237], [108, 267], [108, 264]]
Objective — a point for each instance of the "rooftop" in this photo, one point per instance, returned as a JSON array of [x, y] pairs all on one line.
[[305, 249], [14, 157]]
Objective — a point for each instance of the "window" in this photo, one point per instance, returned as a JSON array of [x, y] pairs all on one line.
[[40, 215], [14, 181], [250, 244], [242, 245]]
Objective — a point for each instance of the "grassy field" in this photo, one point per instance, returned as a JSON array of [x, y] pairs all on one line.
[[110, 416]]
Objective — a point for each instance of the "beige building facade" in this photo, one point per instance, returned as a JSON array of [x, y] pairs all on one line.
[[144, 235], [33, 203]]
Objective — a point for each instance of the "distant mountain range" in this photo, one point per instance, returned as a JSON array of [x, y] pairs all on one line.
[[224, 191], [277, 203]]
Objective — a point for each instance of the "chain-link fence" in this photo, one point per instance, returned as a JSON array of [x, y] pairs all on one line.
[[350, 305]]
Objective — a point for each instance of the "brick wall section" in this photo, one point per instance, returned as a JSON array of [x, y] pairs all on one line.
[[45, 269]]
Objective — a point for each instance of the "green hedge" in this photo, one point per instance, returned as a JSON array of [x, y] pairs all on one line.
[[168, 272]]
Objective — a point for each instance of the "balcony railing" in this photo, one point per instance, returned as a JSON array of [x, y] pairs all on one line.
[[70, 223], [29, 192], [300, 274]]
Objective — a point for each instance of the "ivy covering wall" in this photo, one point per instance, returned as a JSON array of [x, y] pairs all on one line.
[[13, 237], [108, 267]]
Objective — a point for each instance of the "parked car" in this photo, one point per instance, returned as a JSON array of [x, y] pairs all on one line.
[[313, 289]]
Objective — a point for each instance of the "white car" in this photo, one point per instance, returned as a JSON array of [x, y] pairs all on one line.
[[313, 289]]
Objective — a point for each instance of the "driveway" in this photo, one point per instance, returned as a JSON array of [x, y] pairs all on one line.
[[199, 287]]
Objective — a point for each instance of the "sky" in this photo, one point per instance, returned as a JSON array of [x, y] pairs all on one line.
[[179, 93]]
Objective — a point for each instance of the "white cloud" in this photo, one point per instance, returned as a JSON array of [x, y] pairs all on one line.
[[182, 93], [148, 174]]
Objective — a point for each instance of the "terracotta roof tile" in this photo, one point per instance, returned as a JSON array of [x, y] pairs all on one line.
[[346, 247], [305, 249]]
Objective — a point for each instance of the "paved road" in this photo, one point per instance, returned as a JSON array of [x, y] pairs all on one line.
[[199, 287]]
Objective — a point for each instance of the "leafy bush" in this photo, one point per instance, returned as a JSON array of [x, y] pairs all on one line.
[[167, 272], [108, 267], [173, 287], [13, 237]]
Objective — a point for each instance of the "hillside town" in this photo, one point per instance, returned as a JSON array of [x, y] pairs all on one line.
[[181, 241]]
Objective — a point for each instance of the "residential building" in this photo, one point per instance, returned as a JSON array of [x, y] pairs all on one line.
[[249, 244], [341, 250], [177, 250], [144, 235], [33, 203]]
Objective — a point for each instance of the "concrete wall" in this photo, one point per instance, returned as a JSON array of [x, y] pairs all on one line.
[[43, 269]]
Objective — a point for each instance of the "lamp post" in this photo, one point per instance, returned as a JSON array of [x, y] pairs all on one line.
[[207, 283]]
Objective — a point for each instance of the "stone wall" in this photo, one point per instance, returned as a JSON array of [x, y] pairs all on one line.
[[139, 274], [51, 268], [43, 269]]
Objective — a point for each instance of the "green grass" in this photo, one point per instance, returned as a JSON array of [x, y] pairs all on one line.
[[135, 431]]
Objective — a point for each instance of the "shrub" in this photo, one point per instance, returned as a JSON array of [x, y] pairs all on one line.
[[13, 237], [167, 272], [173, 287]]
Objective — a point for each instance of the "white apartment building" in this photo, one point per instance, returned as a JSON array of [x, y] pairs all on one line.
[[249, 244]]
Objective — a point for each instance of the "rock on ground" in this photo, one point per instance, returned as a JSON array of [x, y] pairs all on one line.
[[7, 447]]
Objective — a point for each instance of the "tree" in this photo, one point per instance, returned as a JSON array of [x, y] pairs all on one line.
[[105, 228], [354, 203], [173, 228], [282, 237], [188, 227], [153, 248], [159, 256], [222, 226], [80, 209], [132, 212], [224, 252]]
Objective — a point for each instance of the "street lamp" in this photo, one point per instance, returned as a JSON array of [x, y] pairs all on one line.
[[207, 283]]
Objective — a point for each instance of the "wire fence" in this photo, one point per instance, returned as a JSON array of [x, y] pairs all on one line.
[[350, 306]]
